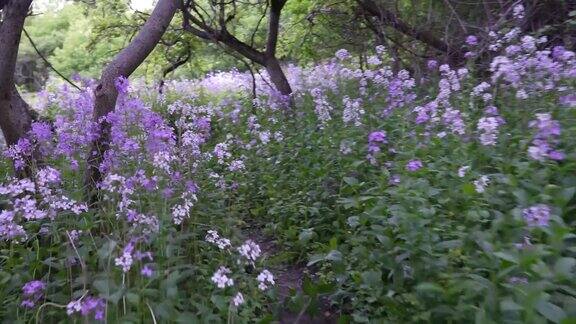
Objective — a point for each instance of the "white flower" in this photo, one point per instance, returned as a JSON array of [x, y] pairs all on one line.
[[223, 243], [124, 262], [250, 250], [481, 184], [462, 171], [221, 279], [266, 279], [73, 307], [518, 12], [214, 238], [236, 165], [238, 299], [373, 60]]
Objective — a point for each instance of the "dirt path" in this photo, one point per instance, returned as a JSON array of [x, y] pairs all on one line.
[[290, 277]]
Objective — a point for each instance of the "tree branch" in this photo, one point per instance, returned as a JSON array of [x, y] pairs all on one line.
[[47, 62], [388, 18]]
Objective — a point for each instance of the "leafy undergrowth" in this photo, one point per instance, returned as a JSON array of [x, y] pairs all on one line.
[[444, 199]]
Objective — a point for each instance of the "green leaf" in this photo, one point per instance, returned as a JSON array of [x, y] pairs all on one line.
[[309, 288], [315, 259], [550, 311], [350, 181], [133, 298], [372, 278], [306, 235], [353, 221], [450, 244], [334, 255], [221, 302], [469, 189], [106, 250], [565, 266], [508, 305], [430, 287], [507, 256]]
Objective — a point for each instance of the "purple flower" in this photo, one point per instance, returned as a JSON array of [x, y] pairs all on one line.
[[432, 64], [33, 287], [537, 215], [414, 165], [147, 271], [122, 84], [377, 137], [556, 155], [32, 291], [472, 40], [548, 132], [20, 152], [488, 129], [342, 54], [41, 131], [203, 124], [568, 100], [518, 280], [191, 186], [167, 193], [87, 306]]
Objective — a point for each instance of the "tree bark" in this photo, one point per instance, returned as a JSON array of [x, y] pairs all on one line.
[[124, 64], [272, 65], [15, 114], [17, 117], [277, 76]]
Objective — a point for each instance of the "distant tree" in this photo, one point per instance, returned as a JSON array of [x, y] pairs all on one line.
[[212, 22]]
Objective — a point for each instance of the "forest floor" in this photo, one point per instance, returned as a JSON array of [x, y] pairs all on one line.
[[289, 280]]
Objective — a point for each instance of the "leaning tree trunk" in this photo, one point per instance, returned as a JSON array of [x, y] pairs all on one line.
[[15, 115], [277, 76], [124, 64]]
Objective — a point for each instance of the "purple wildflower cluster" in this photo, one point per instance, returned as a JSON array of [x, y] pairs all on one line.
[[130, 255], [32, 292], [529, 71], [34, 200], [548, 132], [439, 112], [375, 140], [414, 165], [88, 306], [537, 215], [322, 106], [353, 111]]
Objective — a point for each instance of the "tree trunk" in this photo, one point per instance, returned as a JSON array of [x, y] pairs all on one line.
[[124, 64], [266, 58], [15, 115], [277, 76]]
